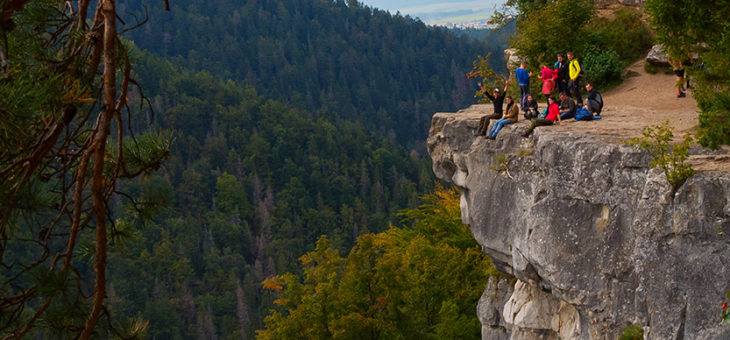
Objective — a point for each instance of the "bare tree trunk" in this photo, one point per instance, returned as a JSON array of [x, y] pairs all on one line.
[[98, 185]]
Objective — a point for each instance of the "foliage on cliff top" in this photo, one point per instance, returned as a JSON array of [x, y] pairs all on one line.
[[671, 158], [603, 45], [686, 27], [421, 280]]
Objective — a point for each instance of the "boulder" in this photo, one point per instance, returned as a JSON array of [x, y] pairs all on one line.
[[657, 56]]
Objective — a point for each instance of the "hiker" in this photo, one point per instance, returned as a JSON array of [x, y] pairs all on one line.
[[594, 103], [497, 98], [548, 80], [523, 80], [510, 117], [678, 67], [561, 70], [552, 116], [567, 107], [575, 73], [531, 111]]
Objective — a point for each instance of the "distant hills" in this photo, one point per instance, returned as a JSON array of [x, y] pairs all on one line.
[[452, 13]]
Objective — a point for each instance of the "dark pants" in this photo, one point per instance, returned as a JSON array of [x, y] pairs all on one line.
[[536, 123], [574, 87], [524, 92], [593, 107], [530, 114], [484, 123], [562, 86], [567, 115]]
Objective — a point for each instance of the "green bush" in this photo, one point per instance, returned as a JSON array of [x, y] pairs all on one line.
[[671, 158], [602, 67], [555, 27], [626, 34], [632, 332]]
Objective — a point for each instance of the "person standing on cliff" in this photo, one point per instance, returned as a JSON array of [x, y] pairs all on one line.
[[497, 98], [561, 68], [523, 80], [575, 73], [548, 81]]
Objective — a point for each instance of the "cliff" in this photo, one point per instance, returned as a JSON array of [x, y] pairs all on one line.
[[591, 238]]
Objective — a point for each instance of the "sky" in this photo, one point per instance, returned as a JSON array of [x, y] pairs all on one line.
[[440, 11]]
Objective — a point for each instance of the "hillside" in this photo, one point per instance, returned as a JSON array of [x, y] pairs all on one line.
[[256, 173], [331, 58]]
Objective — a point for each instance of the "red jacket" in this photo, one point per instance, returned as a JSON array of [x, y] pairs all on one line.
[[553, 112]]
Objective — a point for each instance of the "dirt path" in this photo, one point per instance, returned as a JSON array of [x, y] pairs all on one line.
[[645, 100], [642, 100]]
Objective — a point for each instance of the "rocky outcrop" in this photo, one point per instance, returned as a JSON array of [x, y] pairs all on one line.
[[658, 56], [594, 237]]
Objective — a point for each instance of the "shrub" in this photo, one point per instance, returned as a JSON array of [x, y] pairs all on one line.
[[602, 67], [626, 34], [554, 27], [632, 332], [672, 159]]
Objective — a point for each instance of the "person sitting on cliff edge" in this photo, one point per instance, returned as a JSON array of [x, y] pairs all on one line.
[[567, 107], [594, 104], [532, 110], [553, 116], [510, 117], [497, 98]]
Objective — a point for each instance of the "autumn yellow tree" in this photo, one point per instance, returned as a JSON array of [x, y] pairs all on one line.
[[421, 279]]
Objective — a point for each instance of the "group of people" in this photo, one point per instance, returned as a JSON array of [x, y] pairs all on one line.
[[563, 77]]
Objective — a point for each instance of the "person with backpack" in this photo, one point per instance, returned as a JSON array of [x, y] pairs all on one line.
[[523, 80], [561, 70], [552, 116], [510, 117], [575, 72], [531, 111], [567, 107], [497, 98], [594, 101]]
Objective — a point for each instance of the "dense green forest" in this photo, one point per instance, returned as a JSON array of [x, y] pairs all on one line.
[[250, 186], [256, 174], [283, 122], [332, 58]]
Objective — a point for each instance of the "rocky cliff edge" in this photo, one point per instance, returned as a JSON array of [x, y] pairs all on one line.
[[591, 238]]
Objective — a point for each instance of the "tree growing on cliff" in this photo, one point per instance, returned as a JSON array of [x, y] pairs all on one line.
[[65, 143], [419, 280], [686, 27]]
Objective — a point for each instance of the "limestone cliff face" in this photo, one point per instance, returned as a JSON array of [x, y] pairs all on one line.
[[595, 238]]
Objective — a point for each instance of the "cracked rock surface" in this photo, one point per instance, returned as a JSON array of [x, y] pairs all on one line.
[[595, 239]]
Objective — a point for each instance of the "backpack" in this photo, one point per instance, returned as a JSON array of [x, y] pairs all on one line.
[[583, 114]]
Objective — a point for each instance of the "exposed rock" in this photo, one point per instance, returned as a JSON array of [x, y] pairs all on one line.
[[513, 58], [596, 238], [658, 56], [490, 306]]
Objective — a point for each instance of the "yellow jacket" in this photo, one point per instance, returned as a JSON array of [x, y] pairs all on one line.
[[574, 67]]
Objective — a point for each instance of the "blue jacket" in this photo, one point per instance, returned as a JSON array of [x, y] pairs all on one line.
[[523, 76]]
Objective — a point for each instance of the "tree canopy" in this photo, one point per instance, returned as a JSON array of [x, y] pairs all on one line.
[[687, 28]]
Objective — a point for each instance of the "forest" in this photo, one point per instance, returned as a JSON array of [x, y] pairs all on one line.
[[239, 176]]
